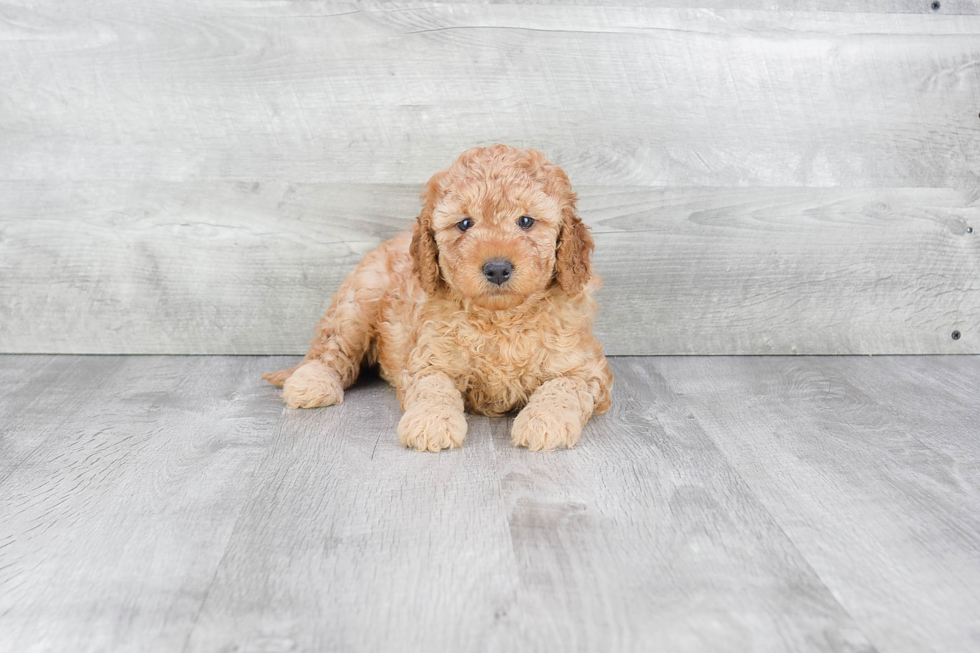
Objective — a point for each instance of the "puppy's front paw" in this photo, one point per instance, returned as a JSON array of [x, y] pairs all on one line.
[[313, 385], [432, 428], [540, 428]]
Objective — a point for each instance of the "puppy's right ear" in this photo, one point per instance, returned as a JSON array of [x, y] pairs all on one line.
[[425, 254]]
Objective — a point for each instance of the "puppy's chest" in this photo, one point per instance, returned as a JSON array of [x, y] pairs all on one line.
[[498, 367]]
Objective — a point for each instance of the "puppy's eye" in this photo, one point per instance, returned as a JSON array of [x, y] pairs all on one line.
[[525, 222], [465, 224]]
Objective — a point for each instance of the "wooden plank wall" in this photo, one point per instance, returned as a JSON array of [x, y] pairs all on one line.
[[189, 177]]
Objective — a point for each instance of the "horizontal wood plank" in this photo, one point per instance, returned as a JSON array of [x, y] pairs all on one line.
[[969, 7], [380, 93], [248, 268], [197, 177]]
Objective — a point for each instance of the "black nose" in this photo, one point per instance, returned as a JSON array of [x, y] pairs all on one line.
[[497, 270]]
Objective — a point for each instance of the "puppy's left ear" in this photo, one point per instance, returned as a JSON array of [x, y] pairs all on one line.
[[423, 250], [573, 266]]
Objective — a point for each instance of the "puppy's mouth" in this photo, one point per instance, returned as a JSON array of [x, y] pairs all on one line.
[[505, 292], [502, 297]]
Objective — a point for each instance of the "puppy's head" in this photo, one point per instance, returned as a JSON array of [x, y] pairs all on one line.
[[499, 225]]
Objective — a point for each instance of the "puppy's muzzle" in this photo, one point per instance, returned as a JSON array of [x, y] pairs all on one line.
[[498, 271]]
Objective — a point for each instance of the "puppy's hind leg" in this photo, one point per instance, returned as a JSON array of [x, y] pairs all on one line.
[[278, 378], [343, 339]]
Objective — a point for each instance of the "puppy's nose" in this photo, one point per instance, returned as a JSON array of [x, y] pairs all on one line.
[[497, 270]]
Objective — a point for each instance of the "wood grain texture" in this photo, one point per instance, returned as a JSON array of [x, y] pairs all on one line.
[[644, 538], [879, 457], [723, 504], [180, 507], [380, 93], [187, 177], [41, 395], [349, 542], [971, 7], [121, 479], [242, 268]]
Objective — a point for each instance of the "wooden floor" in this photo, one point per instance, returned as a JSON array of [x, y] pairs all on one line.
[[723, 504]]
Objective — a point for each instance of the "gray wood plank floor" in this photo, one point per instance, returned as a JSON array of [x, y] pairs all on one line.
[[723, 504]]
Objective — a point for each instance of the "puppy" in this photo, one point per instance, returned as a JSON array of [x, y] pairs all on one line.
[[487, 306]]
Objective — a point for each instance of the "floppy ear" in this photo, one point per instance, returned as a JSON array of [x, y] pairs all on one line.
[[573, 265], [425, 254]]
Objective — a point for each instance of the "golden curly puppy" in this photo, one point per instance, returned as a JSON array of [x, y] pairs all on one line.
[[486, 306]]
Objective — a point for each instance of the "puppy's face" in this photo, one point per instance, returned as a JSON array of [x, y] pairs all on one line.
[[496, 239], [498, 226]]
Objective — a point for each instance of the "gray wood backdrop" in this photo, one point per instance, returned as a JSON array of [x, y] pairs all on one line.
[[761, 177]]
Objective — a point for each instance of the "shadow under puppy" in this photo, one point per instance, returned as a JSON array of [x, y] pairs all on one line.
[[487, 306]]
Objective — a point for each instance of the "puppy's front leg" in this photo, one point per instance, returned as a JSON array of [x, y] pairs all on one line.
[[554, 416], [433, 418]]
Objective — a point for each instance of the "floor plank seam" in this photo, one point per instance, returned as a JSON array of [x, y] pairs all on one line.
[[40, 445], [246, 495], [755, 494]]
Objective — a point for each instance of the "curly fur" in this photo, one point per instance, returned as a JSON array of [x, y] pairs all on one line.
[[421, 309]]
